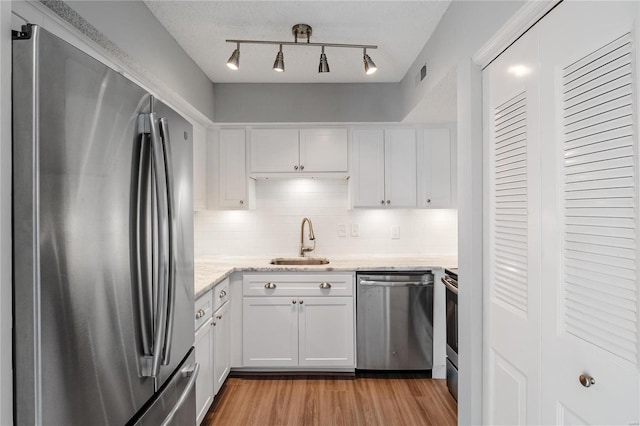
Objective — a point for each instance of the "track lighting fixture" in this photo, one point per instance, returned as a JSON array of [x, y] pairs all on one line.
[[302, 31], [324, 65], [369, 66], [234, 59], [278, 65]]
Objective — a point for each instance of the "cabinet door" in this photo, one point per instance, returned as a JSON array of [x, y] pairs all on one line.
[[274, 150], [221, 346], [367, 168], [204, 357], [326, 332], [232, 168], [270, 332], [400, 168], [434, 161], [324, 150]]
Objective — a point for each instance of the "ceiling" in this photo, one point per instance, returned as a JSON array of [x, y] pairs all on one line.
[[399, 28]]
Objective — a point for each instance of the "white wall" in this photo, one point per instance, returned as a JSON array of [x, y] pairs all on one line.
[[273, 229], [294, 103], [6, 377], [132, 34]]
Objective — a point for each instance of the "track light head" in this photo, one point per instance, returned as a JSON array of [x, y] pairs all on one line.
[[369, 66], [234, 59], [324, 65], [278, 65]]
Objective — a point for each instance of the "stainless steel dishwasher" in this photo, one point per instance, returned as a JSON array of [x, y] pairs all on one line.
[[395, 321]]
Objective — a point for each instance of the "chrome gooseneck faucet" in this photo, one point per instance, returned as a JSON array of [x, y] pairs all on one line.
[[312, 237]]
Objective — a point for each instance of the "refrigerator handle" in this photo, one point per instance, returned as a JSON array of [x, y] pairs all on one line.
[[160, 191], [171, 291], [193, 375], [141, 255]]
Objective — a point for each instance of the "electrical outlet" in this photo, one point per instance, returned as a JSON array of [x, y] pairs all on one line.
[[355, 229], [395, 232], [342, 230]]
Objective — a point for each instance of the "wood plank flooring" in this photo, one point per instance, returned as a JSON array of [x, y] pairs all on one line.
[[367, 399]]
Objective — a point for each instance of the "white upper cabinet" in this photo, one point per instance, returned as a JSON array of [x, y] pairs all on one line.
[[234, 187], [400, 167], [384, 168], [274, 150], [367, 168], [324, 150], [435, 172], [299, 151]]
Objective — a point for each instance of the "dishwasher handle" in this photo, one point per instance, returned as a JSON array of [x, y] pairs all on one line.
[[450, 286], [375, 283]]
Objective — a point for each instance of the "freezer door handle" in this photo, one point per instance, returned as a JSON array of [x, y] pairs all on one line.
[[162, 282], [185, 394], [171, 215]]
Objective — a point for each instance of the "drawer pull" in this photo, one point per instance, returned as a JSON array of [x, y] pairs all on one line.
[[270, 286], [325, 285], [199, 314], [222, 294]]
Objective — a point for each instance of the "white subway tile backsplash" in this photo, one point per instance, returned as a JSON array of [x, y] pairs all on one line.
[[273, 228]]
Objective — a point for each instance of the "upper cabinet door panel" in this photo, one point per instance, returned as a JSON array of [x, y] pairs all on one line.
[[367, 168], [274, 150], [232, 169], [324, 150], [435, 169], [400, 167]]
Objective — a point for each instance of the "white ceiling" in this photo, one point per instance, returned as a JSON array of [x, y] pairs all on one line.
[[399, 28]]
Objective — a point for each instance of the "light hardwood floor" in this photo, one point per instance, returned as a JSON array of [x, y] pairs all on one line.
[[367, 399]]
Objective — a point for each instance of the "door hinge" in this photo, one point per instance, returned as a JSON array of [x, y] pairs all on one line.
[[24, 34]]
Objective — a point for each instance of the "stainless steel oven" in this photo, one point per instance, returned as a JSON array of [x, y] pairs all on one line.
[[450, 281]]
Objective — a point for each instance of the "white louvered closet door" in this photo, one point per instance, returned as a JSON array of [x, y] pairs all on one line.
[[512, 332], [589, 136]]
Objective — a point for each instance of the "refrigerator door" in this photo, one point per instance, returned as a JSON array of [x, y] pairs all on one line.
[[179, 155], [77, 325]]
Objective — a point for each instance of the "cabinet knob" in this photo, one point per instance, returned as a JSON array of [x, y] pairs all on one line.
[[294, 301], [199, 314], [241, 202], [222, 294], [213, 323], [325, 285], [301, 301], [428, 200], [388, 202], [301, 167], [586, 380], [295, 167], [219, 317], [270, 286], [382, 202]]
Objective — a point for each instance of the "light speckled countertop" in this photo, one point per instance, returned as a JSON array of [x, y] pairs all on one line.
[[210, 270]]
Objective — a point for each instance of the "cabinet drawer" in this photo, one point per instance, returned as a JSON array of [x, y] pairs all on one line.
[[203, 309], [297, 285], [220, 294]]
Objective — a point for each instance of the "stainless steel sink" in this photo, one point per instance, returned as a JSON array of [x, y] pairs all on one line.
[[300, 261]]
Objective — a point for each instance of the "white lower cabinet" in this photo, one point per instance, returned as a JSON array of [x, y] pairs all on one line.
[[212, 345], [325, 331], [300, 323], [221, 346], [204, 357]]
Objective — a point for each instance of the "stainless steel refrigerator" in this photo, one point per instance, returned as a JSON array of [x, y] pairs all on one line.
[[103, 244]]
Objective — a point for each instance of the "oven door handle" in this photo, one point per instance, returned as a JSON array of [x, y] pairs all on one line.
[[447, 283]]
